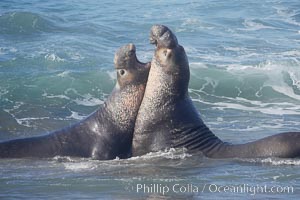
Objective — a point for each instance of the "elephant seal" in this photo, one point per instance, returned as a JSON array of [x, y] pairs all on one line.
[[167, 117], [105, 134]]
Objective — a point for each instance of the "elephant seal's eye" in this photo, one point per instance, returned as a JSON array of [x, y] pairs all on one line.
[[122, 72]]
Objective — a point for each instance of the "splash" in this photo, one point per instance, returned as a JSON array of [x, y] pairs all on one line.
[[172, 154], [274, 161], [53, 57]]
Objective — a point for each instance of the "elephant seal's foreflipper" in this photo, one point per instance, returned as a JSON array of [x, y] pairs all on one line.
[[167, 117], [283, 145], [105, 134]]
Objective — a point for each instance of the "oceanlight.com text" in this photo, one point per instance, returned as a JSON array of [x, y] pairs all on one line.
[[164, 189]]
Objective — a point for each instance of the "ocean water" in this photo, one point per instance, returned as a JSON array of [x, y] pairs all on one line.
[[56, 67]]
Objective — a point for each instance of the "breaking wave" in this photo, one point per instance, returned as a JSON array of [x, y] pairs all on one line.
[[270, 87]]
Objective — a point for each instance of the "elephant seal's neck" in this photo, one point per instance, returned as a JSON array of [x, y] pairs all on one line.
[[122, 106]]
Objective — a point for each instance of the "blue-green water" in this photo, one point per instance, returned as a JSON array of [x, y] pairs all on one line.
[[56, 67]]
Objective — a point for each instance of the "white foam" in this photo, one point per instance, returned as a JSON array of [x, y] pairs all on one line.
[[27, 121], [86, 164], [64, 159], [271, 108], [235, 49], [276, 78], [88, 100], [76, 115], [278, 161], [79, 166], [275, 73], [238, 67], [71, 90], [64, 74], [172, 154], [53, 57], [251, 25], [273, 161], [286, 91], [60, 96], [238, 103], [295, 76]]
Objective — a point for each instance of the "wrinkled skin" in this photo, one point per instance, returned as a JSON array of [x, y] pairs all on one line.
[[167, 117], [105, 134]]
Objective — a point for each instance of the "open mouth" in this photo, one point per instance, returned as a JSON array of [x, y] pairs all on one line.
[[126, 58], [142, 65]]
